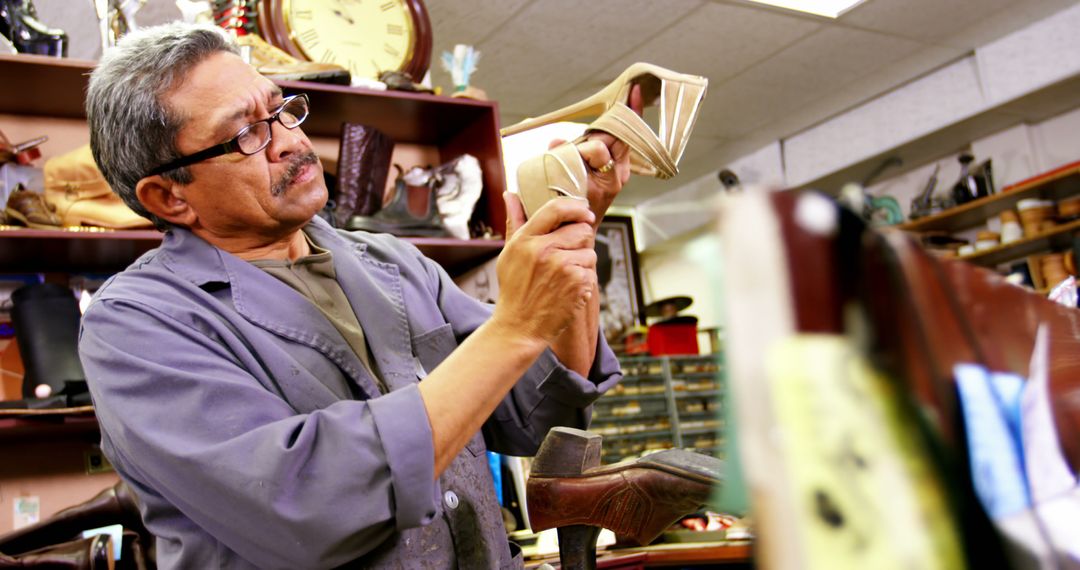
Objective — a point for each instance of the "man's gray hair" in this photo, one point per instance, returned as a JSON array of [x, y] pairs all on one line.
[[132, 131]]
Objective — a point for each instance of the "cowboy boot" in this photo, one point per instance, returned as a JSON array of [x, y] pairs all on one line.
[[363, 165], [569, 490]]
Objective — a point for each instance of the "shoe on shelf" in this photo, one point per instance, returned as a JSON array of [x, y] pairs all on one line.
[[655, 151], [569, 490], [30, 209], [398, 218], [277, 64], [20, 25]]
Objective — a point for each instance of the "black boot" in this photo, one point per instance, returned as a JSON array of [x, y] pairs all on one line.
[[398, 219], [19, 24]]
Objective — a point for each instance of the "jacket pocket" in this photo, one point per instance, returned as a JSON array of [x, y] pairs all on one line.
[[432, 347]]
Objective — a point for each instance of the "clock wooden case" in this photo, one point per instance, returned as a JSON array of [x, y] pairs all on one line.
[[364, 37]]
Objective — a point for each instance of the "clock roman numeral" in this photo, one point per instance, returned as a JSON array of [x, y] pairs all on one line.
[[310, 37], [387, 6], [395, 29], [305, 14], [391, 50], [328, 56]]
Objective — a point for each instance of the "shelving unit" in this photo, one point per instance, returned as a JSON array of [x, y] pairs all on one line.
[[662, 402], [1060, 236], [1057, 184], [39, 90], [1053, 185], [49, 88]]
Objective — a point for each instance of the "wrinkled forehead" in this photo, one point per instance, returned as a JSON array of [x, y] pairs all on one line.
[[219, 92]]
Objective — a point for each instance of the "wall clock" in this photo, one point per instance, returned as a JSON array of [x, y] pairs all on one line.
[[366, 37]]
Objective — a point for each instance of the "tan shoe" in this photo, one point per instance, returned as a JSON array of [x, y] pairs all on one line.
[[30, 209], [76, 190], [277, 64], [653, 151]]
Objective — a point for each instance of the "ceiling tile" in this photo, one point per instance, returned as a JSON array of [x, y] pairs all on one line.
[[553, 45], [699, 157], [1005, 21], [719, 41], [811, 69], [860, 90], [736, 107], [935, 21], [470, 22], [464, 23], [846, 49]]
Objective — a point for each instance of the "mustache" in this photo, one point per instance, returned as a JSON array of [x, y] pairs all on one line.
[[295, 164]]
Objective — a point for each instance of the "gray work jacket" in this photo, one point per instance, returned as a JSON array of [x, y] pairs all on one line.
[[209, 379]]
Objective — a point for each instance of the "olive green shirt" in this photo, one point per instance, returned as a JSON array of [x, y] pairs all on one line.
[[313, 277]]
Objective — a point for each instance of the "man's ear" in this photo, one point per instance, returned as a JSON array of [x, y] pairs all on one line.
[[165, 199]]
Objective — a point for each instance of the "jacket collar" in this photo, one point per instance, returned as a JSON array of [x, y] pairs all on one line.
[[271, 305], [378, 287]]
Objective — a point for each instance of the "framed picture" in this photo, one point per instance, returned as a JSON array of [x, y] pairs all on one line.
[[621, 302]]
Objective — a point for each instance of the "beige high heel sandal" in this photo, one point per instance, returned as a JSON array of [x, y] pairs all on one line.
[[656, 153]]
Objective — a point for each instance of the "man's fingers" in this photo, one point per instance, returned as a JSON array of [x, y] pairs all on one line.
[[556, 213], [595, 150], [515, 213], [573, 236], [585, 258]]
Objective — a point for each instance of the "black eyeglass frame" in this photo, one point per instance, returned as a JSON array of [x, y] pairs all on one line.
[[232, 145]]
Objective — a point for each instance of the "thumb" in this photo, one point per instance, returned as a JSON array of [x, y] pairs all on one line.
[[515, 213]]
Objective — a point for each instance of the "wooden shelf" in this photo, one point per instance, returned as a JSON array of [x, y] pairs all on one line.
[[44, 86], [1054, 185], [1060, 236], [49, 87], [44, 425], [458, 255], [33, 251]]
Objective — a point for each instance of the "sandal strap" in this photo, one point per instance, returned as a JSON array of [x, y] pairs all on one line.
[[624, 124]]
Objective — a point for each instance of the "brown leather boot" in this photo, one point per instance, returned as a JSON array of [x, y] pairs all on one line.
[[94, 553], [30, 209], [568, 489], [115, 505]]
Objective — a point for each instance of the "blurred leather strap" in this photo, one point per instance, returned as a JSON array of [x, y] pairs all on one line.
[[945, 312]]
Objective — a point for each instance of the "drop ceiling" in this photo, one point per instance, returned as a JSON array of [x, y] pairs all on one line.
[[772, 72]]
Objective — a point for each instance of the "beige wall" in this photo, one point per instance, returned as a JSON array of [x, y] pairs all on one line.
[[52, 470]]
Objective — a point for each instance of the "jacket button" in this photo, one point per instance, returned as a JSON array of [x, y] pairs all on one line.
[[451, 499]]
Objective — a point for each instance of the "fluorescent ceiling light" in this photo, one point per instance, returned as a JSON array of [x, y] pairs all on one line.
[[827, 8]]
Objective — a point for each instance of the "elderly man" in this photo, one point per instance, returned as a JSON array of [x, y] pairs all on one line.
[[258, 377]]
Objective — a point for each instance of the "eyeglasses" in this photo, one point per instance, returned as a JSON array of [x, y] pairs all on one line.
[[252, 138]]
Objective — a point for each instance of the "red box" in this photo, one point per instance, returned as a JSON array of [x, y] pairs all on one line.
[[673, 338]]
